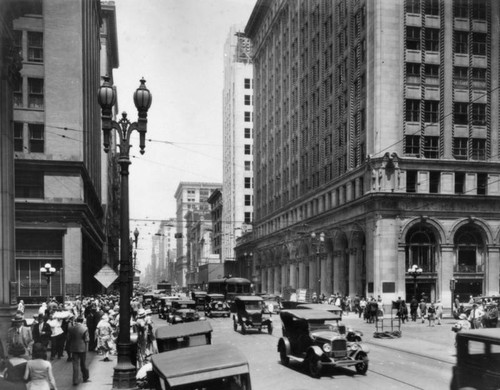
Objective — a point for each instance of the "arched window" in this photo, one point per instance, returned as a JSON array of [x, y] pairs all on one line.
[[469, 247], [421, 248]]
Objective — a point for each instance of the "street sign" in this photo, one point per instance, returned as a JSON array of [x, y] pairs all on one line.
[[106, 276]]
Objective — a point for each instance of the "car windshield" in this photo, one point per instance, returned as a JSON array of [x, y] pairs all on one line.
[[253, 306], [315, 327]]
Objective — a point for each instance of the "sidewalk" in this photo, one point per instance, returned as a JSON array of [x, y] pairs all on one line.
[[101, 373]]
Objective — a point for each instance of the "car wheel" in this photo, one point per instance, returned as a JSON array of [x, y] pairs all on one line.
[[235, 326], [243, 328], [314, 365], [285, 360], [270, 328], [362, 366]]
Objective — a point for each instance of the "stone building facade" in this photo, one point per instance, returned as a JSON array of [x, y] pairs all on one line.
[[376, 147]]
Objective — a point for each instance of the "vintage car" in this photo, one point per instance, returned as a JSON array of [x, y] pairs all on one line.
[[182, 335], [350, 333], [478, 360], [183, 310], [165, 306], [217, 306], [208, 367], [250, 314], [200, 297], [309, 338], [272, 303]]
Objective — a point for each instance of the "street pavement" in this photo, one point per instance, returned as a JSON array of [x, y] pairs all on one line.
[[416, 337]]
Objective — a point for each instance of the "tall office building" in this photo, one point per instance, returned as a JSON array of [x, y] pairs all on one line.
[[376, 147], [57, 145], [190, 196], [163, 254], [237, 178]]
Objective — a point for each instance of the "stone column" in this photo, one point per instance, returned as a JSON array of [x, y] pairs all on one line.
[[337, 257], [447, 269], [293, 275], [329, 274], [277, 279], [263, 278], [270, 280], [303, 283], [323, 274], [8, 293], [352, 272], [492, 271]]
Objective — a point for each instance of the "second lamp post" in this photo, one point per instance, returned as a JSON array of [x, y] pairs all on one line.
[[125, 372], [415, 271], [318, 242]]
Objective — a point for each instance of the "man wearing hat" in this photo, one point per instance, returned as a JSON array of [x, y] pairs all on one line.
[[476, 316], [19, 333]]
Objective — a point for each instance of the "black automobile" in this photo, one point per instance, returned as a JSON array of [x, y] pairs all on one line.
[[165, 306], [217, 306], [478, 360], [310, 339], [183, 310], [250, 314]]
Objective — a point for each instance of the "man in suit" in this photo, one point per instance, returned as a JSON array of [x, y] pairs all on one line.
[[19, 333], [78, 340], [41, 331]]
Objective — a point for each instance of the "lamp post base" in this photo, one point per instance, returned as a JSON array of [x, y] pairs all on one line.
[[124, 377]]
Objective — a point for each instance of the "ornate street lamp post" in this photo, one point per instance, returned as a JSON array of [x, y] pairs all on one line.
[[48, 271], [125, 371], [318, 242], [414, 271]]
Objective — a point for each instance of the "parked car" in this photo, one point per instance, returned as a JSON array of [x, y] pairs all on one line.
[[183, 310], [165, 306], [183, 335], [272, 303], [250, 314], [309, 338], [217, 306], [204, 367], [478, 360]]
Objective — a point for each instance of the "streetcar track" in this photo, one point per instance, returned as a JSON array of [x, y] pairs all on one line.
[[371, 370]]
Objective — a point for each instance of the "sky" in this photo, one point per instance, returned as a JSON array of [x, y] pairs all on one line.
[[177, 46]]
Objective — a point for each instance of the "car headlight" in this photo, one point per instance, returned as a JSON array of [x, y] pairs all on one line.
[[244, 319], [327, 347]]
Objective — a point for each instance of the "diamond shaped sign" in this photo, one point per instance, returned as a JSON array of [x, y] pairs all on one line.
[[106, 276]]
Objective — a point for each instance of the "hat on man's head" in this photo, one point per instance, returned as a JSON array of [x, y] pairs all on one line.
[[18, 318]]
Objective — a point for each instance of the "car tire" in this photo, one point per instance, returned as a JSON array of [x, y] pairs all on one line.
[[362, 366], [285, 360], [270, 328], [243, 328], [259, 329], [314, 365]]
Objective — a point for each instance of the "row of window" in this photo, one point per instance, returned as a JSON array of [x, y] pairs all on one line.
[[247, 83], [461, 74], [461, 115], [412, 183], [33, 97], [463, 148], [462, 39], [29, 137], [34, 48], [461, 8]]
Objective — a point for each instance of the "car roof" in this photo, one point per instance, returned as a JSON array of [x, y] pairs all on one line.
[[216, 295], [483, 334], [199, 292], [185, 301], [201, 363], [182, 330], [252, 298], [309, 314], [169, 298], [337, 311]]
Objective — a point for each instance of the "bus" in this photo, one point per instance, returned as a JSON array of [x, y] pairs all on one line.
[[230, 287], [165, 286]]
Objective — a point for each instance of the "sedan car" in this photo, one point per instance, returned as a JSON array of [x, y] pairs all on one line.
[[309, 338]]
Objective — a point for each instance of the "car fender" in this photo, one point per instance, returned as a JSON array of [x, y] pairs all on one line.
[[316, 350], [358, 353], [284, 341]]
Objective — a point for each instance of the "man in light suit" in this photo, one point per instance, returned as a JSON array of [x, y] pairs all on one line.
[[78, 340]]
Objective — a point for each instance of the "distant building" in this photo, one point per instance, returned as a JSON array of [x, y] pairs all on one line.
[[376, 124], [216, 213], [190, 196], [163, 254], [238, 120]]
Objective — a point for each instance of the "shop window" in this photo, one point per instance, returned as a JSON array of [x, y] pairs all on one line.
[[459, 183], [482, 184], [411, 181], [434, 182]]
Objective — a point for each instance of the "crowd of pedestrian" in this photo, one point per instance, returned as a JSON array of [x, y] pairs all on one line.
[[69, 331]]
